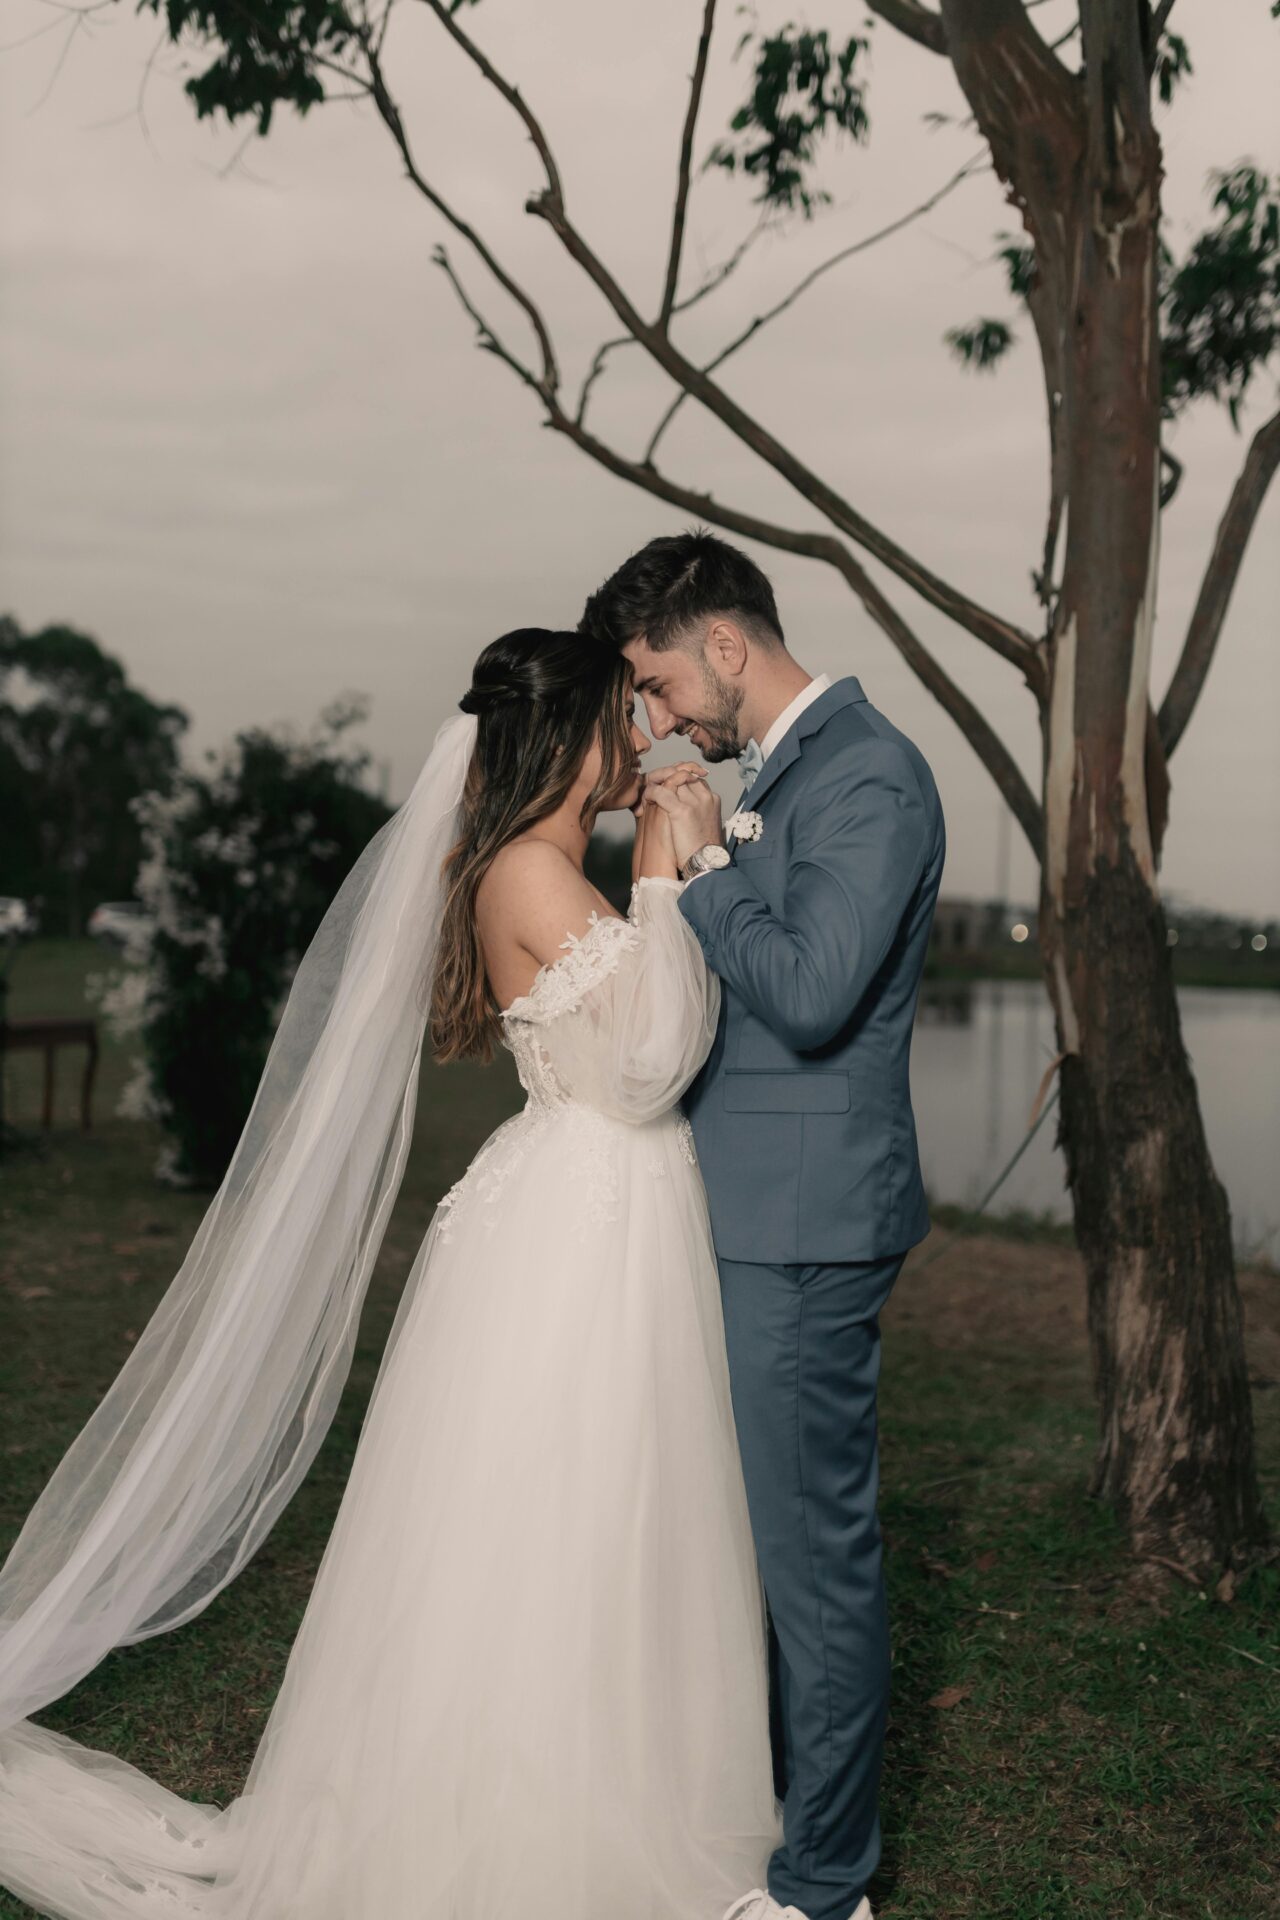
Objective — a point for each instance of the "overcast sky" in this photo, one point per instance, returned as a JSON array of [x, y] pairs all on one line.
[[249, 443]]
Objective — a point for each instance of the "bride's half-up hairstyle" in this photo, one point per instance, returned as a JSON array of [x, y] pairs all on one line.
[[534, 690]]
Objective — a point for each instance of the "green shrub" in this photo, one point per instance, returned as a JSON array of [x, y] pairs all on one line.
[[239, 865]]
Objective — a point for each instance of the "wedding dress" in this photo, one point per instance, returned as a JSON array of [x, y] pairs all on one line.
[[530, 1680]]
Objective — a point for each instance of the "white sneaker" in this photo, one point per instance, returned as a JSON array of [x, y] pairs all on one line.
[[756, 1905], [759, 1905]]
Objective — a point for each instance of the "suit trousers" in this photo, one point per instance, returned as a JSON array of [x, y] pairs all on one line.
[[804, 1362]]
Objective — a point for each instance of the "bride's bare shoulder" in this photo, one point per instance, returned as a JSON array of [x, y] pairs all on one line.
[[531, 895]]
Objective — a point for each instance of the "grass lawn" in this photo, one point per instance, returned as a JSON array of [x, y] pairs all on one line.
[[1067, 1739]]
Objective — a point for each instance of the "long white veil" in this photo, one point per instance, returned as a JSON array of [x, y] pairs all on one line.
[[219, 1409]]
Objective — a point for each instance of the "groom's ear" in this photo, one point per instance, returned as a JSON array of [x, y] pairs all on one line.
[[726, 646]]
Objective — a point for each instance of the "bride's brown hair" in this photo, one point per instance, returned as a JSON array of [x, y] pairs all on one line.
[[534, 690]]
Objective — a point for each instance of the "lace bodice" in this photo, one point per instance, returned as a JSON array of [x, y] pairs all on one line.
[[608, 1036], [558, 989]]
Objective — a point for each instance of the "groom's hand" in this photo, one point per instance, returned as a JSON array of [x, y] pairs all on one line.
[[693, 810], [663, 776], [677, 775]]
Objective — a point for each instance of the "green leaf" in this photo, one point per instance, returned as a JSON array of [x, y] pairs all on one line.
[[981, 345], [802, 90], [1173, 64], [1220, 309]]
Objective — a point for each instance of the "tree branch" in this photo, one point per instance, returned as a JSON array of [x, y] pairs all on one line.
[[991, 750], [1001, 635], [977, 165], [1173, 475], [390, 113], [1219, 581], [714, 279], [686, 154], [918, 22], [1002, 63], [1158, 20], [510, 94]]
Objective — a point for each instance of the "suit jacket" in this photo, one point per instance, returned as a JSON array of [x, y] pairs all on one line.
[[818, 930]]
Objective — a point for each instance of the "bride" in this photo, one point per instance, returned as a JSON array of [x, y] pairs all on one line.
[[530, 1682]]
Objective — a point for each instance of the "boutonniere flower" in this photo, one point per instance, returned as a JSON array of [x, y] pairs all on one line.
[[744, 825]]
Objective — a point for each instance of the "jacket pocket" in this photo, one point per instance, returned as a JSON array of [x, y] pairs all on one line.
[[749, 850], [786, 1090]]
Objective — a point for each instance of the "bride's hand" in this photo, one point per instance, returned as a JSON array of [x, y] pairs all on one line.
[[655, 852], [642, 815], [679, 774]]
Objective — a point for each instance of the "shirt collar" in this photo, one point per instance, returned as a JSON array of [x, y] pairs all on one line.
[[790, 714]]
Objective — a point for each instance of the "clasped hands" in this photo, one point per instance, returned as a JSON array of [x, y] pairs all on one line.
[[681, 799]]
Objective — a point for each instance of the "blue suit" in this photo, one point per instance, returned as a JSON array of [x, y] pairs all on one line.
[[807, 1144]]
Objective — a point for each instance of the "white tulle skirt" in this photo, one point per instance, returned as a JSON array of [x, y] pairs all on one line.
[[530, 1680]]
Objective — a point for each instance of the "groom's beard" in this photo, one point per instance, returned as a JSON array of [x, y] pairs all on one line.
[[720, 721]]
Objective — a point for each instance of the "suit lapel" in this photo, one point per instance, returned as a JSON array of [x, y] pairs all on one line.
[[841, 693]]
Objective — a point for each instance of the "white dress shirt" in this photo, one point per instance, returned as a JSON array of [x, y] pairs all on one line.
[[789, 715], [787, 718]]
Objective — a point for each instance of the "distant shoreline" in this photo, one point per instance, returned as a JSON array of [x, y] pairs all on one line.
[[1189, 969]]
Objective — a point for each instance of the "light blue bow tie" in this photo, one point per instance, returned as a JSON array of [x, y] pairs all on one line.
[[750, 761]]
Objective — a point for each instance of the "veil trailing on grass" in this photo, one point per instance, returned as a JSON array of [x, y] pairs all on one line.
[[216, 1415]]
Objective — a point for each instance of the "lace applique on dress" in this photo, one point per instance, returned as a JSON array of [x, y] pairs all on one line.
[[684, 1140], [557, 989], [558, 986], [488, 1173]]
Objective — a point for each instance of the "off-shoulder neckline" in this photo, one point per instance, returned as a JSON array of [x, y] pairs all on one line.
[[574, 943]]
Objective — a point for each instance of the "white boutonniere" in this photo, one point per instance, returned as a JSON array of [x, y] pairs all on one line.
[[744, 825]]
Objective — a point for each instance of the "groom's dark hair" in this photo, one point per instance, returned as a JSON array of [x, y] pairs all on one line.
[[678, 580]]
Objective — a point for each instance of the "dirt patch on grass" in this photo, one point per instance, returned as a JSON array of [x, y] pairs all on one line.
[[989, 1290]]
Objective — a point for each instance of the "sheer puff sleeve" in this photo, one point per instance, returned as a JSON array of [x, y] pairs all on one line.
[[627, 1018]]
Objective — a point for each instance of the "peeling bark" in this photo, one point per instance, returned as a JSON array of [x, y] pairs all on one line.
[[1082, 161], [1175, 1452]]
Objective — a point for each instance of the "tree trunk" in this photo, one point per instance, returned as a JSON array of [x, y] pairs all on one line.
[[1153, 1224], [1152, 1220]]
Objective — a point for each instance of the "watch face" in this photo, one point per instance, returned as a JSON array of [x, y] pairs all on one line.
[[716, 856]]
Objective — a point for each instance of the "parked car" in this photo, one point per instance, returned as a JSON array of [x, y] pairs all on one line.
[[17, 917], [119, 922]]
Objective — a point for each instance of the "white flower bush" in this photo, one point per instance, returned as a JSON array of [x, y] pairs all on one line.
[[238, 866]]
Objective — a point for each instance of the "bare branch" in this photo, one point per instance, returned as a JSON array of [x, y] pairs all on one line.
[[977, 165], [510, 94], [992, 751], [714, 279], [1219, 581], [1159, 18], [918, 22], [489, 340], [686, 155], [1173, 476], [1001, 62], [1001, 635], [391, 115]]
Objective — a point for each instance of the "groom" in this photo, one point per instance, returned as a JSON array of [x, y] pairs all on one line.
[[816, 918]]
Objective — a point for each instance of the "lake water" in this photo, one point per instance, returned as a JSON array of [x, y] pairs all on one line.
[[981, 1047]]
